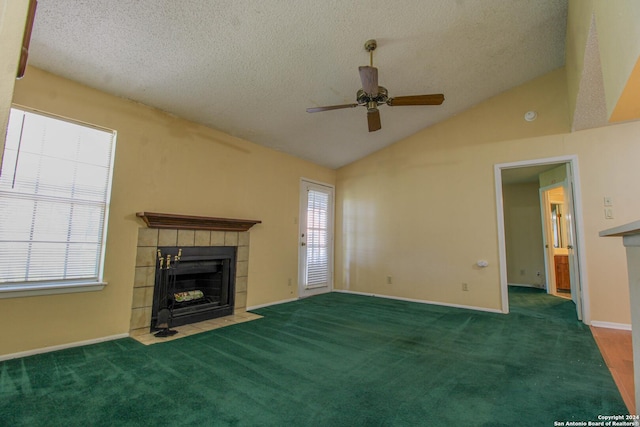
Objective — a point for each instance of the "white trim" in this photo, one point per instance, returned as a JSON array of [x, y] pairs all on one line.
[[611, 325], [107, 207], [62, 118], [577, 195], [24, 290], [580, 237], [502, 250], [467, 307], [284, 301], [537, 162], [61, 347], [313, 181]]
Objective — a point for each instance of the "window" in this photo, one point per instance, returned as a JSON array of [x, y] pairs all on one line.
[[55, 185], [317, 238]]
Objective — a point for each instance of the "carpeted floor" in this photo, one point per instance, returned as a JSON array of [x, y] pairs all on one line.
[[331, 360]]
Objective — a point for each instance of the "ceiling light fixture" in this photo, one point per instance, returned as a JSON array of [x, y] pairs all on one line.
[[530, 116]]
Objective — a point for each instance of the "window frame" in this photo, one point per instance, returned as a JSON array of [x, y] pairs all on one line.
[[49, 287]]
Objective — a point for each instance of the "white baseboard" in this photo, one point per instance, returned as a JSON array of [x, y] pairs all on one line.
[[61, 347], [255, 307], [467, 307], [611, 325]]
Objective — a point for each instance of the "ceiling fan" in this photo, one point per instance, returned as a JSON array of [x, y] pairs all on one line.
[[371, 95]]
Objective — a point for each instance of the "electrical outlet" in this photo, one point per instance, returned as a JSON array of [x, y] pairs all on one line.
[[465, 287], [538, 273], [389, 281]]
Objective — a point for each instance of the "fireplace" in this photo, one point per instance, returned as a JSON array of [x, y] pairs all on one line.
[[169, 233], [194, 284]]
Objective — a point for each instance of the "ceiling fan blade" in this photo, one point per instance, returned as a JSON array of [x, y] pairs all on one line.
[[369, 78], [330, 107], [434, 99], [373, 119]]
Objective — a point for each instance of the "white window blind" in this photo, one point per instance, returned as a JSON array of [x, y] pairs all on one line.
[[54, 196], [317, 238]]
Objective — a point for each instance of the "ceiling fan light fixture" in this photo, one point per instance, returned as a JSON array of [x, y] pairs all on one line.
[[373, 95]]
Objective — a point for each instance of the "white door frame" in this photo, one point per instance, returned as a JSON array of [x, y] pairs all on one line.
[[302, 290], [577, 194], [572, 237]]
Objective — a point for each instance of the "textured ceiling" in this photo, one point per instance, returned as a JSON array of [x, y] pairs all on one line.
[[251, 67]]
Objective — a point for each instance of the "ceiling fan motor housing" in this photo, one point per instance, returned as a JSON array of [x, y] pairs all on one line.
[[364, 98]]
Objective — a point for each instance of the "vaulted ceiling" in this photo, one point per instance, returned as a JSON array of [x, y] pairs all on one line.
[[251, 67]]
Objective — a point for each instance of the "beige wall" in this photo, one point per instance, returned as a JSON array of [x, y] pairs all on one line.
[[608, 167], [618, 33], [619, 41], [424, 211], [163, 164], [553, 176], [578, 25], [13, 14], [523, 234]]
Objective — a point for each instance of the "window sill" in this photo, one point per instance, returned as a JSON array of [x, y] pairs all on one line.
[[31, 290]]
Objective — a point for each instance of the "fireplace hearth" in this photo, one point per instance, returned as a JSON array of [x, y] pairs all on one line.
[[152, 239], [192, 284]]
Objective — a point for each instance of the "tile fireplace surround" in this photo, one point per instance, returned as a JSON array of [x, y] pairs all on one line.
[[149, 239]]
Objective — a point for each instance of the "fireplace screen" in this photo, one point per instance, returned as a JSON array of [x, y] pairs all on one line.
[[192, 284]]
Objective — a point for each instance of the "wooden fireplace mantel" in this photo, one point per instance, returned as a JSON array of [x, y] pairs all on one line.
[[188, 222]]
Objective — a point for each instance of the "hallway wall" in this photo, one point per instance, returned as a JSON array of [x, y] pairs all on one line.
[[523, 234]]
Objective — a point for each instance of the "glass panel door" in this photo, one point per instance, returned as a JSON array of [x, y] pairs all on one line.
[[316, 239]]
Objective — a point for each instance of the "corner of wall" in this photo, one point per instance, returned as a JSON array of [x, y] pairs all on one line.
[[579, 16], [12, 21]]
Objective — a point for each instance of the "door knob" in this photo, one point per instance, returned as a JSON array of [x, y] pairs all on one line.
[[303, 244], [569, 246]]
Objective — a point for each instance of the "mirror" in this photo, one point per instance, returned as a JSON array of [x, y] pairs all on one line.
[[556, 222]]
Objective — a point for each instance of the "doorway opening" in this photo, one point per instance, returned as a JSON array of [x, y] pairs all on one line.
[[553, 206], [524, 258]]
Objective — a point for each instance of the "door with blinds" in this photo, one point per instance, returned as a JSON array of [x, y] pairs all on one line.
[[315, 239]]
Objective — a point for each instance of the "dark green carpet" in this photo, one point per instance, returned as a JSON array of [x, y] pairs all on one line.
[[331, 360]]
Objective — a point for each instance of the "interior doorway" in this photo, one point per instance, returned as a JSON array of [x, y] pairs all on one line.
[[560, 172], [553, 208]]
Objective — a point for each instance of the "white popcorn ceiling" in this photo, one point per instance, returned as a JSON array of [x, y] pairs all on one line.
[[251, 67]]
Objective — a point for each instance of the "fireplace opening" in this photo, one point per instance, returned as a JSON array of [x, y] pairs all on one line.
[[193, 284]]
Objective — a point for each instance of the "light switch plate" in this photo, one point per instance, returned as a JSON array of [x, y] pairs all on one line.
[[608, 213], [608, 201]]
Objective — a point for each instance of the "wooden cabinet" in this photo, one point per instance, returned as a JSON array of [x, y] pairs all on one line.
[[563, 281]]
